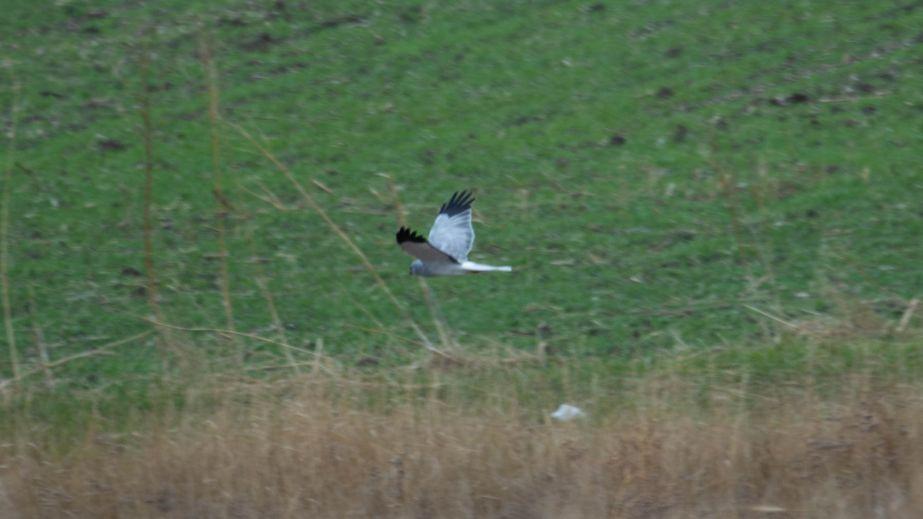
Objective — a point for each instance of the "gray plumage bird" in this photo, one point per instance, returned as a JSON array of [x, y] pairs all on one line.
[[445, 251]]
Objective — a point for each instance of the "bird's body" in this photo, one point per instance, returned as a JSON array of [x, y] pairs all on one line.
[[418, 268], [445, 251]]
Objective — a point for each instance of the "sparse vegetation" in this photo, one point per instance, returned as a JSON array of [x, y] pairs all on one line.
[[713, 210]]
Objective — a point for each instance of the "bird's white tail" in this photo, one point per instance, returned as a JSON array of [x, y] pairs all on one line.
[[473, 267]]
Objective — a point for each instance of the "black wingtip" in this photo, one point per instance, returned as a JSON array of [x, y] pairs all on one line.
[[460, 202], [405, 234]]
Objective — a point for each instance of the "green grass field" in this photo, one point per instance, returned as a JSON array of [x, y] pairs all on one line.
[[699, 176]]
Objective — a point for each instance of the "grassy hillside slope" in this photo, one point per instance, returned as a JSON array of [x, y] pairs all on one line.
[[655, 171]]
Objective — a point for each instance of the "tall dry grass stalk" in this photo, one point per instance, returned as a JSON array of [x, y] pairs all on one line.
[[318, 454], [5, 224], [105, 349], [165, 339], [312, 203], [38, 336], [727, 186], [260, 280], [223, 204], [726, 189]]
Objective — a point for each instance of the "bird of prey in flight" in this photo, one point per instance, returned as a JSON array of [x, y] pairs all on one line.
[[445, 252]]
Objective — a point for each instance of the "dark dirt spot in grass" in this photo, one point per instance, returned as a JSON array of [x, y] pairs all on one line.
[[792, 99], [285, 69], [525, 119], [411, 15], [76, 19], [787, 189], [681, 236], [888, 76], [95, 104], [892, 308], [110, 145], [651, 28], [365, 362], [665, 93], [596, 8], [261, 43], [131, 271], [680, 133], [98, 14], [865, 88], [544, 330], [231, 21], [617, 140], [160, 87], [428, 156], [673, 52], [332, 23]]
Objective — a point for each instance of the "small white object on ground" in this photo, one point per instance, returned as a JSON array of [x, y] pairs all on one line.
[[567, 412]]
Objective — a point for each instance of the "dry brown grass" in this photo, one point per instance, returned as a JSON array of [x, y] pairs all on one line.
[[319, 453]]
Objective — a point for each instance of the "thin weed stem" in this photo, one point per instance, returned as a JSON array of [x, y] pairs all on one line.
[[224, 206], [260, 280], [726, 189], [5, 226], [147, 134], [39, 337], [228, 333], [102, 350]]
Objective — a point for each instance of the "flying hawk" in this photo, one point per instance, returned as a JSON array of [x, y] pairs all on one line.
[[445, 252]]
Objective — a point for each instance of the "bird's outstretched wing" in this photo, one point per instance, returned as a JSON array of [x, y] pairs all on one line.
[[416, 245], [452, 232]]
